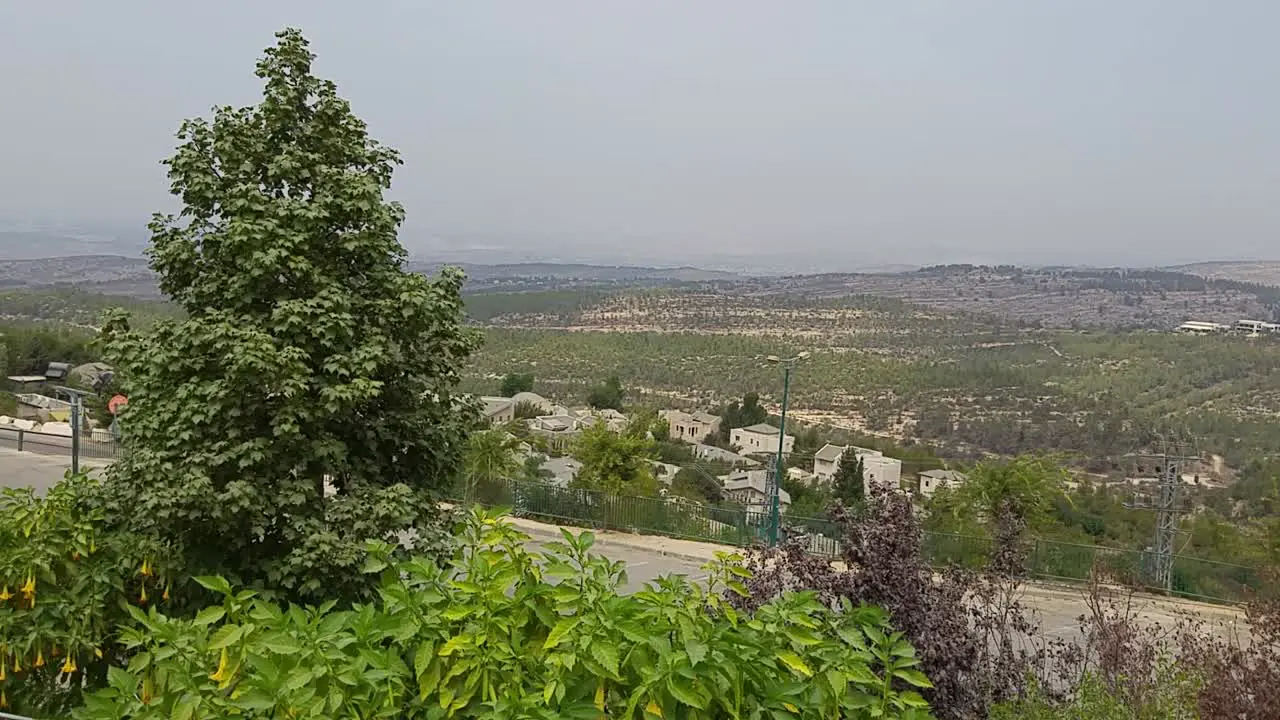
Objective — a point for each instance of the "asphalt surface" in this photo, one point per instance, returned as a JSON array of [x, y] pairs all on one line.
[[34, 470]]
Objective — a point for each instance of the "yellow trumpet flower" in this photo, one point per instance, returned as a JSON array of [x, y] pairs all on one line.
[[223, 673], [142, 597], [17, 664], [146, 568], [29, 587], [69, 666], [148, 691], [40, 659], [3, 666], [5, 594], [4, 701]]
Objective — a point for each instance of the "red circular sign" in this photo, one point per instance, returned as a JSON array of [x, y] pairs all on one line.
[[116, 404]]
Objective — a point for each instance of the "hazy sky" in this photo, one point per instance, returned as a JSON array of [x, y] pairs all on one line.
[[898, 131]]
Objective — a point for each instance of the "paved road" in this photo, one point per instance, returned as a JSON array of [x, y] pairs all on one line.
[[26, 469]]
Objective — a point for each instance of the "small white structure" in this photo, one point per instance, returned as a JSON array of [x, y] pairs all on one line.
[[1196, 327], [826, 461], [693, 427], [711, 452], [750, 488], [878, 471], [800, 475], [760, 438], [931, 480]]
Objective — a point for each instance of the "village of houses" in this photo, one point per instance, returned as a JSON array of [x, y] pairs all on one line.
[[750, 458]]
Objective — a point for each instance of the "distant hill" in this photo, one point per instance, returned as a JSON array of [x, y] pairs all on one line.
[[1263, 272], [578, 271], [119, 275], [39, 244]]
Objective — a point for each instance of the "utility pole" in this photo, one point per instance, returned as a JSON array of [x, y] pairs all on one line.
[[1166, 503], [76, 397], [776, 478]]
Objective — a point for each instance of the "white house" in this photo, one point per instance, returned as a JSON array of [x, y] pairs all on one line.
[[826, 461], [750, 488], [760, 438], [878, 471], [693, 427], [931, 480], [498, 410]]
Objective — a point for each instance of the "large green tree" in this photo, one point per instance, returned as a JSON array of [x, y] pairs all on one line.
[[309, 362], [615, 462], [513, 383], [608, 395]]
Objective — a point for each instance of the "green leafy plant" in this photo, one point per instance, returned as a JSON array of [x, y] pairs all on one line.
[[506, 633], [63, 583]]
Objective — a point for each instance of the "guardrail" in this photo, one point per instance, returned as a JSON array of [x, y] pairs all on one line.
[[1195, 578], [92, 446]]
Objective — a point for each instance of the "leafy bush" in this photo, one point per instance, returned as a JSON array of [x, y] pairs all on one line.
[[505, 633], [62, 585], [968, 628]]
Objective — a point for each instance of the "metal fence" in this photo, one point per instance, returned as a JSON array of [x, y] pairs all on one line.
[[1048, 559], [93, 446]]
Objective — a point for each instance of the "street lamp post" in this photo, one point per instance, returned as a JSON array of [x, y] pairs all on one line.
[[787, 364], [76, 398]]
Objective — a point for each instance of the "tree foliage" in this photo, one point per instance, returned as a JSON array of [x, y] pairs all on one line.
[[696, 484], [608, 395], [513, 383], [849, 485], [490, 459], [613, 462], [1025, 486], [493, 636], [307, 352], [744, 414]]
